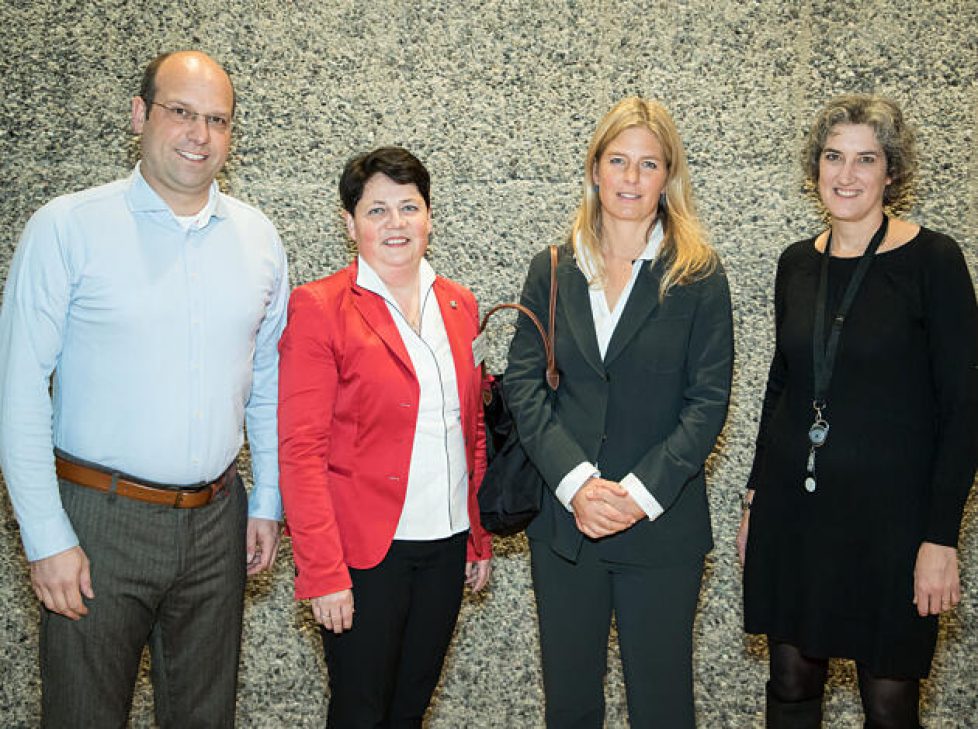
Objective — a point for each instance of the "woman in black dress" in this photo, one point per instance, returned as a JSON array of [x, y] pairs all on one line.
[[868, 440]]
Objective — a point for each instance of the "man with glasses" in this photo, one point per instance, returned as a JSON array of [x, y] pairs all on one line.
[[157, 302]]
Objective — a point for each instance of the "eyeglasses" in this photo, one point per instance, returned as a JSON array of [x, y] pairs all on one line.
[[184, 116]]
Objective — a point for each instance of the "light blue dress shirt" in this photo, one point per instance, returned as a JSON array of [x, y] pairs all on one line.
[[163, 341]]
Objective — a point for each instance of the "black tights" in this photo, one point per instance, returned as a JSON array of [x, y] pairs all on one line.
[[889, 703]]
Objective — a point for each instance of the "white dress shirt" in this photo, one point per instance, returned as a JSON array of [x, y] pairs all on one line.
[[605, 321], [436, 503]]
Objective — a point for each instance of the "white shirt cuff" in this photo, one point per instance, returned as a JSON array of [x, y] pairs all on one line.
[[572, 482], [636, 489]]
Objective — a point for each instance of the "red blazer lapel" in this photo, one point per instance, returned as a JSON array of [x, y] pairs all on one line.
[[375, 313]]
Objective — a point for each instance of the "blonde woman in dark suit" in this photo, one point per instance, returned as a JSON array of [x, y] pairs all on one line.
[[644, 346]]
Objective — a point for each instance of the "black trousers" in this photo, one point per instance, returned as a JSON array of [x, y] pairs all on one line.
[[384, 670], [654, 608], [171, 577]]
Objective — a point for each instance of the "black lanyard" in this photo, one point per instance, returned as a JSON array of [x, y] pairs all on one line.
[[824, 352]]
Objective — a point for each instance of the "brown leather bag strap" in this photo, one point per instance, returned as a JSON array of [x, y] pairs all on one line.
[[553, 377]]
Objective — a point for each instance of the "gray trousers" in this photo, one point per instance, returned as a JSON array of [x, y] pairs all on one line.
[[171, 577]]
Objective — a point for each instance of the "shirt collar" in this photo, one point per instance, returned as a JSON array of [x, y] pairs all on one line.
[[144, 199], [654, 240], [369, 279]]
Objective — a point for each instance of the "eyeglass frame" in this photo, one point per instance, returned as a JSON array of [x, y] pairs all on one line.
[[182, 115]]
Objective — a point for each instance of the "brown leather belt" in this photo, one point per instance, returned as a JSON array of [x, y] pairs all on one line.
[[94, 478]]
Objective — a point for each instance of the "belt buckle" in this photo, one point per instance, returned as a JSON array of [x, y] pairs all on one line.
[[178, 500]]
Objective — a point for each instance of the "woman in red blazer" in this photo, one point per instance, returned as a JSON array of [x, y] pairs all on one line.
[[382, 449]]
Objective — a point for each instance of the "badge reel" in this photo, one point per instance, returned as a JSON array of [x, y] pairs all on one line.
[[818, 433]]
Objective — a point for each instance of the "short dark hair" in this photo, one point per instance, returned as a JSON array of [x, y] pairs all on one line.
[[394, 162], [147, 87], [894, 135]]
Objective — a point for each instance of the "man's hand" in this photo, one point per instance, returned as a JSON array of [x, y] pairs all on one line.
[[262, 544], [334, 611], [601, 508], [60, 581], [936, 585]]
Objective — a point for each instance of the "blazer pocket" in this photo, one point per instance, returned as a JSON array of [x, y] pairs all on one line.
[[339, 470]]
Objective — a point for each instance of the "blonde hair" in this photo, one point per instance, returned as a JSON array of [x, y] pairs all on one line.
[[684, 248]]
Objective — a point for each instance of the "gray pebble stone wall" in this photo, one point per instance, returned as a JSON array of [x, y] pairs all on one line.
[[499, 98]]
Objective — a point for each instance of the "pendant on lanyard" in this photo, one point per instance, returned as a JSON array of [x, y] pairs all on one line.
[[818, 433], [824, 352]]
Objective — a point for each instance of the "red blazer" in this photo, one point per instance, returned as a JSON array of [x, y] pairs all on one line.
[[348, 404]]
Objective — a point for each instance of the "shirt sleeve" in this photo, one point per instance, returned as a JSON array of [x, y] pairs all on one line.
[[636, 489], [307, 396], [571, 483], [952, 332], [32, 323], [549, 445], [671, 463], [265, 502]]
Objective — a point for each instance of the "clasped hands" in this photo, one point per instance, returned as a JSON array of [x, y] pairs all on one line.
[[602, 508]]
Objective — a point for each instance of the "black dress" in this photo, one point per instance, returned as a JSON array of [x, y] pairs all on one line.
[[831, 572]]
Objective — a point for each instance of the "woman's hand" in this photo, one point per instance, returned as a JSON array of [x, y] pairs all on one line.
[[602, 508], [334, 611], [744, 528], [936, 585], [477, 574]]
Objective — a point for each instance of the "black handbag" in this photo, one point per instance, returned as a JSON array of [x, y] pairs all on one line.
[[512, 488]]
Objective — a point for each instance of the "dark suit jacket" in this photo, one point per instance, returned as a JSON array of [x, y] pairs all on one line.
[[653, 407]]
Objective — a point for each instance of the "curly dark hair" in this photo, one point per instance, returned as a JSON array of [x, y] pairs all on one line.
[[892, 132]]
